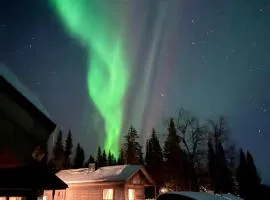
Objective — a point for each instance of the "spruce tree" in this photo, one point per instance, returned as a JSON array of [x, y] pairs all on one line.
[[253, 181], [172, 157], [68, 150], [57, 162], [211, 165], [132, 148], [120, 159], [104, 159], [99, 158], [79, 157], [225, 176], [110, 159], [91, 159], [241, 175], [154, 158]]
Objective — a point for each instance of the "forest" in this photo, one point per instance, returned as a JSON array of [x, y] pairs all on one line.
[[195, 156]]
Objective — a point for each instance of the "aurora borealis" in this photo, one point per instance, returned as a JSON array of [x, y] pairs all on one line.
[[107, 71], [210, 57]]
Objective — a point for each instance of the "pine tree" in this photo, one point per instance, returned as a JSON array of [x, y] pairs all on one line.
[[68, 150], [91, 159], [104, 159], [241, 175], [132, 148], [211, 165], [247, 177], [99, 158], [253, 181], [79, 157], [225, 182], [111, 159], [114, 161], [120, 159], [57, 161], [172, 157], [154, 158]]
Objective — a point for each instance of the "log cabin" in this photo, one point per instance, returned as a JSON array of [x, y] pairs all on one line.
[[121, 182]]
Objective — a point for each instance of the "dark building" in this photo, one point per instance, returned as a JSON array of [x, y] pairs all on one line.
[[25, 128]]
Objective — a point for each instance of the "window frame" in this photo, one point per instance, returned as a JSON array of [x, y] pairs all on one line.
[[134, 193], [107, 189]]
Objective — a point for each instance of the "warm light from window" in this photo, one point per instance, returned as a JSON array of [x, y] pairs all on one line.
[[108, 194], [163, 190], [131, 194]]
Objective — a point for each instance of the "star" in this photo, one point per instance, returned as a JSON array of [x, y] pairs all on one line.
[[193, 43], [162, 94]]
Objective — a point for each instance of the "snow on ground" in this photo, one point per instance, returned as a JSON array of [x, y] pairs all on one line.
[[207, 196], [15, 82]]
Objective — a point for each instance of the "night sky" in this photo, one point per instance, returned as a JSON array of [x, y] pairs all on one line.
[[210, 57]]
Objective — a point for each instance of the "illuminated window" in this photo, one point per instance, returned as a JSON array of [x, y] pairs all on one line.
[[108, 194], [131, 194]]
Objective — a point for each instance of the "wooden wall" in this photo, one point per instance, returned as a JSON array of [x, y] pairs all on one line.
[[87, 192]]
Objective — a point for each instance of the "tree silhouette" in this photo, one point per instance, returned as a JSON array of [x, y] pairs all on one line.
[[104, 159], [79, 157], [120, 159], [253, 181], [241, 175], [154, 158], [91, 159], [173, 157], [99, 158], [192, 138], [132, 148], [211, 165], [57, 162], [225, 176], [111, 159], [68, 150]]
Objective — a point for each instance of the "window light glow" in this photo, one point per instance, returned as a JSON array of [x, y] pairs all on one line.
[[131, 194], [108, 194]]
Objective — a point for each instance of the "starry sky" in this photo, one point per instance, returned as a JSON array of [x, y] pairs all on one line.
[[210, 57]]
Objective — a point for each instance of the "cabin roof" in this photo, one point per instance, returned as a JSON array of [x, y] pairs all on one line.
[[11, 78], [118, 173], [11, 85]]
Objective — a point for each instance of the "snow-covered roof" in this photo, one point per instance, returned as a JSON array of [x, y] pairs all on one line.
[[10, 77], [118, 173]]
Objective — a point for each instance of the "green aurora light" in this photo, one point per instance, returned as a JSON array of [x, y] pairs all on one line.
[[107, 74]]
